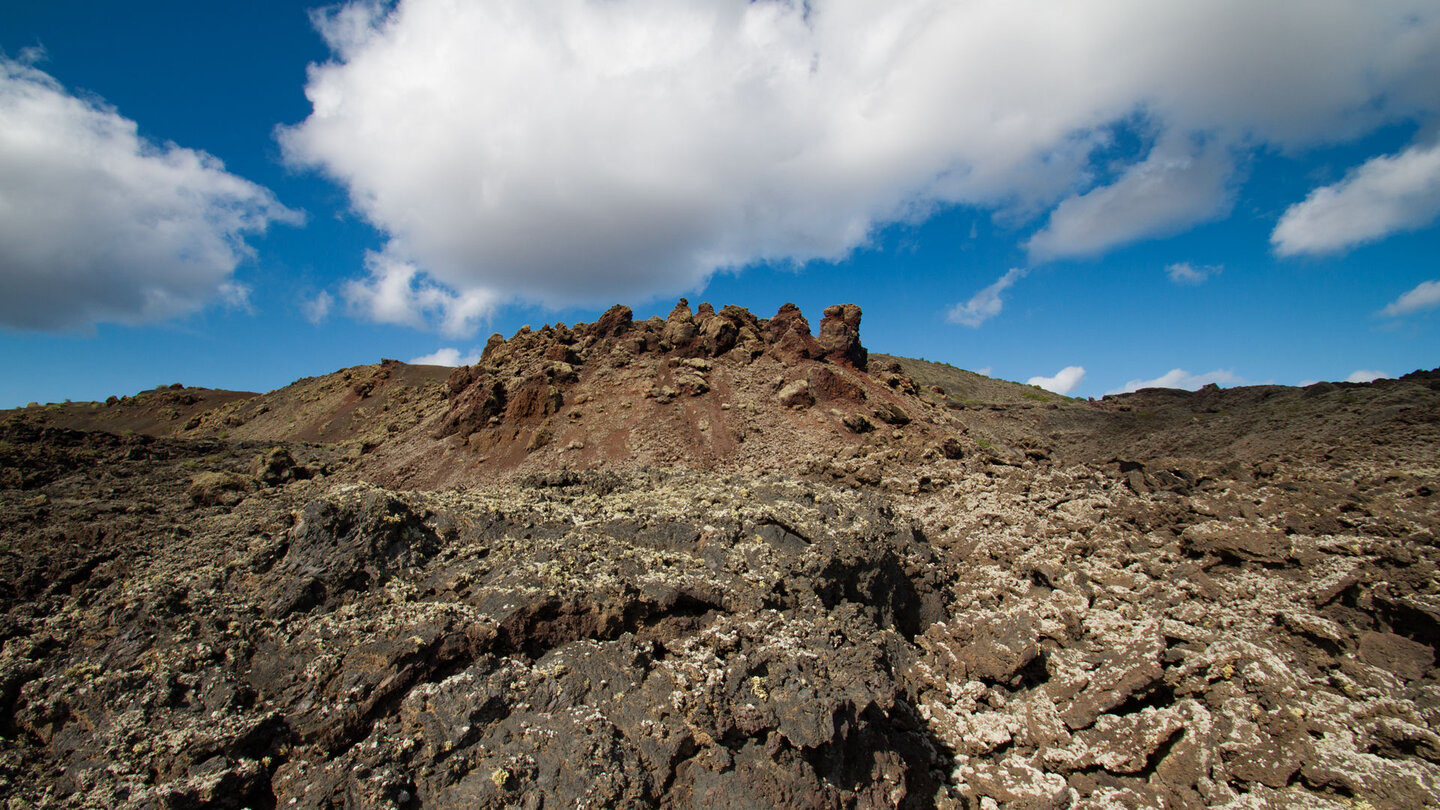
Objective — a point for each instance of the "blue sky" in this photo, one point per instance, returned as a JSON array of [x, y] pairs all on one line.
[[1092, 196]]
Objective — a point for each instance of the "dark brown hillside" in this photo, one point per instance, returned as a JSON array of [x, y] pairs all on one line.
[[162, 411], [962, 389], [1336, 423], [361, 405]]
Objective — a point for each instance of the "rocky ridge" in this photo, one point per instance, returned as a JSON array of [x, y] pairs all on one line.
[[1225, 598], [700, 389]]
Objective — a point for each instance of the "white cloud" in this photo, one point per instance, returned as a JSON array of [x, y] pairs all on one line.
[[99, 225], [1187, 273], [1426, 295], [593, 151], [986, 303], [1063, 382], [1176, 186], [235, 295], [1180, 378], [447, 356], [1363, 375], [984, 372], [1385, 195], [395, 293], [317, 309], [1359, 375]]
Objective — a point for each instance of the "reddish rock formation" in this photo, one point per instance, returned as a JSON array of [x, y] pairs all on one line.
[[840, 335], [788, 334], [521, 386]]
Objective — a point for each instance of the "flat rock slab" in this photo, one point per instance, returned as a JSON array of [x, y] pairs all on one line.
[[1408, 659], [1239, 539]]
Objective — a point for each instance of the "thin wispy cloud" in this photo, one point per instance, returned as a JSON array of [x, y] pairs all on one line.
[[1424, 296], [1177, 186], [1187, 273], [317, 309], [236, 296], [986, 303]]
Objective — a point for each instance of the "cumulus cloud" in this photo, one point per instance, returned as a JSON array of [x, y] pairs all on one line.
[[1187, 273], [1180, 378], [394, 292], [1063, 382], [592, 151], [987, 303], [1175, 187], [1426, 295], [99, 225], [1365, 375], [447, 356], [1385, 195]]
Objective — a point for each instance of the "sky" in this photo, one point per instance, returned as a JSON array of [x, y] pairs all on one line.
[[1088, 196]]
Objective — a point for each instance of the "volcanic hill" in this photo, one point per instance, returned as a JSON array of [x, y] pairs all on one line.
[[716, 560]]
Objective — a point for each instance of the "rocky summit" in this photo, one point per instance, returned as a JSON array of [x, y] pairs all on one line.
[[720, 561]]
